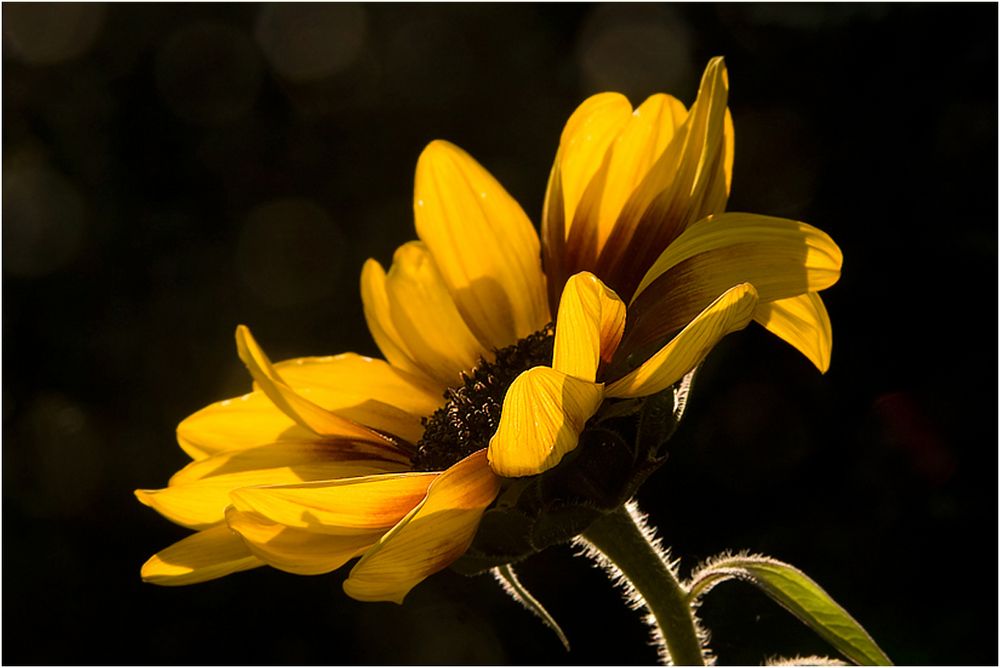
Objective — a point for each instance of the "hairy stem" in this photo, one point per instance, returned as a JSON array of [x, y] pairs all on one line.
[[622, 539]]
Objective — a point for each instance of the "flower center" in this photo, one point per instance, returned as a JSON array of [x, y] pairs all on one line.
[[471, 415]]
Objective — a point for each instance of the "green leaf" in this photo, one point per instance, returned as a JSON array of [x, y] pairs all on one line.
[[798, 594], [508, 580]]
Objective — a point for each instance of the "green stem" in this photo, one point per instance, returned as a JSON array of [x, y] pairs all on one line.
[[622, 541]]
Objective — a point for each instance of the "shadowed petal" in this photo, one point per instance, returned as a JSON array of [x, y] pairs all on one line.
[[781, 258], [348, 506], [297, 550], [431, 537], [378, 315], [203, 556], [426, 318], [241, 422], [484, 245], [543, 414], [199, 493]]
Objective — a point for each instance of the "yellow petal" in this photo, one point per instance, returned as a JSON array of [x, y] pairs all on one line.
[[803, 322], [346, 507], [203, 556], [782, 258], [543, 414], [484, 245], [782, 251], [674, 191], [585, 141], [199, 493], [431, 537], [426, 318], [307, 460], [241, 422], [304, 412], [379, 318], [589, 327], [642, 141], [732, 311], [297, 550], [580, 167], [365, 390]]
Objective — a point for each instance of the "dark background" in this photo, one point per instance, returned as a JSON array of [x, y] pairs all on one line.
[[171, 171]]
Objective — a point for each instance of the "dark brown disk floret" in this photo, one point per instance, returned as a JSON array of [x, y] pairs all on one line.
[[472, 413]]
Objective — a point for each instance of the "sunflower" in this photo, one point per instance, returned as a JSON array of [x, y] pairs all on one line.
[[396, 460]]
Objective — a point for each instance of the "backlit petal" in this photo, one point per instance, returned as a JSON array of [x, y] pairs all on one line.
[[199, 493], [585, 140], [787, 250], [781, 258], [203, 556], [675, 190], [543, 414], [306, 413], [426, 318], [576, 186], [730, 312], [484, 245], [345, 507], [241, 422], [642, 141], [803, 322], [589, 326], [431, 537], [365, 390], [297, 550], [378, 315]]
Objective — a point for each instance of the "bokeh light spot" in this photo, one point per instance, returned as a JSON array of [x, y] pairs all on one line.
[[63, 469], [44, 218], [290, 252], [307, 42], [45, 34], [208, 73], [635, 49]]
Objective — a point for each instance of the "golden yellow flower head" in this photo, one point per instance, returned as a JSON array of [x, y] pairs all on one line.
[[396, 461]]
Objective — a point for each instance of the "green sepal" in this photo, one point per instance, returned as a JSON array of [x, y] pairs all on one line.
[[510, 583], [613, 458], [800, 595]]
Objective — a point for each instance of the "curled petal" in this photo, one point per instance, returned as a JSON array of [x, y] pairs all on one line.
[[781, 258], [730, 312], [306, 413], [589, 326], [543, 414], [365, 390], [803, 322], [431, 537], [203, 556]]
